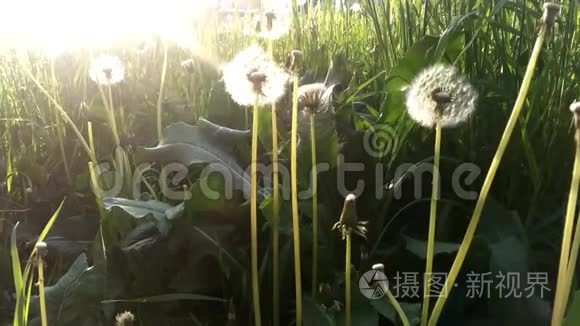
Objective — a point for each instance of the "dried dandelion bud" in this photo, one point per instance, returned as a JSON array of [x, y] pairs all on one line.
[[270, 17], [295, 60], [551, 11], [41, 249], [125, 318]]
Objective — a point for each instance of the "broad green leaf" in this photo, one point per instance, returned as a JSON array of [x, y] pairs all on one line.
[[205, 143], [573, 316], [314, 314], [159, 211], [419, 247], [385, 308]]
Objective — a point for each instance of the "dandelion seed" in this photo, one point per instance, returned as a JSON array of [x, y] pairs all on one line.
[[251, 76], [440, 93], [106, 70], [315, 98], [273, 24]]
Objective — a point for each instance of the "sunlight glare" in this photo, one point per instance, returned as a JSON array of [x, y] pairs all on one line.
[[66, 25]]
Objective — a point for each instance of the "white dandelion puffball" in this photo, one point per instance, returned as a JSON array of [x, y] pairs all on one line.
[[440, 93], [273, 24], [106, 70], [252, 78]]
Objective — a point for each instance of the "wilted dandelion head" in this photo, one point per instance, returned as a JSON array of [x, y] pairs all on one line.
[[273, 24], [440, 93], [106, 70], [125, 318], [315, 98], [251, 77]]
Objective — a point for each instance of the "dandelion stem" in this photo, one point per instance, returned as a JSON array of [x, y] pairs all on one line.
[[254, 216], [41, 295], [294, 189], [566, 268], [108, 103], [314, 205], [471, 228], [432, 226], [347, 281], [397, 307], [160, 99], [276, 212]]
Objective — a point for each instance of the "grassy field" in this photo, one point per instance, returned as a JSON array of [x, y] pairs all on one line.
[[174, 260]]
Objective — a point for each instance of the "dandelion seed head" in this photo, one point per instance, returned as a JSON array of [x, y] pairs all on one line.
[[315, 98], [440, 93], [106, 70], [251, 76]]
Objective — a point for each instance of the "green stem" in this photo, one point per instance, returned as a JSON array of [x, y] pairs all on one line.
[[432, 226], [107, 102], [471, 228], [314, 205], [160, 99], [397, 307], [347, 282], [294, 189], [566, 268], [276, 213], [254, 216], [41, 295], [275, 221]]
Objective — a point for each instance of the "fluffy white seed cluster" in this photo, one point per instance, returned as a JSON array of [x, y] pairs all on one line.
[[252, 78], [440, 93], [106, 70]]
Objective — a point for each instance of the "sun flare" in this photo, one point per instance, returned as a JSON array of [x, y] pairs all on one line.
[[57, 26]]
